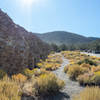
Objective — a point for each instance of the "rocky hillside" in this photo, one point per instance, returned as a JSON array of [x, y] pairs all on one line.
[[18, 47], [62, 37]]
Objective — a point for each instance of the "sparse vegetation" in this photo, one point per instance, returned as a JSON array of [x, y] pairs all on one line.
[[19, 78], [45, 84], [53, 62], [87, 61], [41, 81], [9, 90], [2, 74], [74, 71], [83, 68], [89, 93], [48, 84]]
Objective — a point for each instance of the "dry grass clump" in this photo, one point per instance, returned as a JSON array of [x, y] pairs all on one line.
[[92, 93], [85, 79], [65, 69], [95, 69], [96, 78], [19, 78], [53, 62], [2, 74], [9, 90], [35, 72], [27, 72], [74, 71], [48, 84], [45, 84], [89, 79], [84, 65], [88, 61]]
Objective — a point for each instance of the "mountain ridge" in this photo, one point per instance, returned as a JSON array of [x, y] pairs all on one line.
[[64, 37]]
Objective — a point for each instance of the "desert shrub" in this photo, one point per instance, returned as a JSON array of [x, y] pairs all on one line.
[[19, 77], [96, 78], [89, 79], [40, 64], [48, 66], [45, 84], [27, 72], [74, 71], [51, 66], [85, 65], [87, 61], [48, 83], [66, 69], [85, 79], [95, 69], [9, 90], [37, 72], [2, 74], [53, 62], [89, 93], [43, 71]]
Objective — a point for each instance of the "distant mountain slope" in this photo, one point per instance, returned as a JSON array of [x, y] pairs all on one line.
[[62, 37], [93, 38], [18, 48]]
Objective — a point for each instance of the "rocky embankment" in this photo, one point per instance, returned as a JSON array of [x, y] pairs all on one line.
[[18, 47]]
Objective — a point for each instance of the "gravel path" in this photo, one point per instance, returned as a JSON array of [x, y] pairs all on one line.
[[71, 87]]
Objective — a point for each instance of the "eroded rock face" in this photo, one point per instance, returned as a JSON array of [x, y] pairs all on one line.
[[18, 48]]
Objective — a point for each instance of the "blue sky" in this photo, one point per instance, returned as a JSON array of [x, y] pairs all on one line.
[[78, 16]]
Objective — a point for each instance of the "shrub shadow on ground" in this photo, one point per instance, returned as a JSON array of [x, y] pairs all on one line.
[[58, 96]]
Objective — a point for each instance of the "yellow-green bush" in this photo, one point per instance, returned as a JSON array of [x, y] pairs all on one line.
[[96, 78], [85, 66], [51, 66], [74, 71], [28, 72], [53, 62], [48, 84], [19, 78], [95, 69], [2, 74], [92, 93], [40, 64], [65, 69], [44, 84], [85, 79], [89, 79], [9, 90], [88, 61]]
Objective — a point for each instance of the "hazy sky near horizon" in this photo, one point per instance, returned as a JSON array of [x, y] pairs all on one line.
[[40, 16]]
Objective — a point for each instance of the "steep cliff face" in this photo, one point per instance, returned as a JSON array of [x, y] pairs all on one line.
[[18, 48]]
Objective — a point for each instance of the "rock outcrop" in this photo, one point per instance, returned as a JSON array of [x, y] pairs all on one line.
[[18, 48]]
